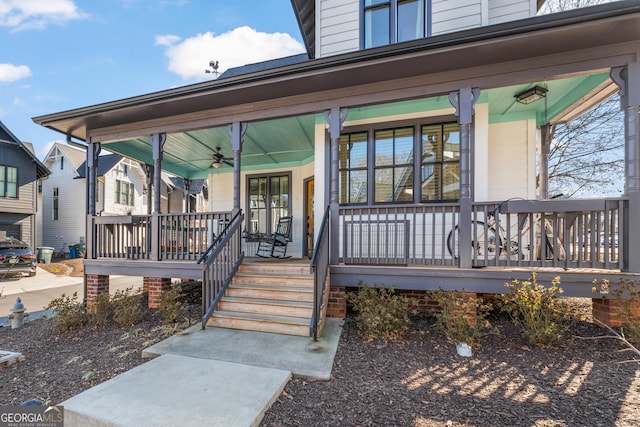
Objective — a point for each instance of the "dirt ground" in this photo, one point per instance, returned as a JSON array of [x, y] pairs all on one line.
[[415, 381], [64, 267], [421, 381]]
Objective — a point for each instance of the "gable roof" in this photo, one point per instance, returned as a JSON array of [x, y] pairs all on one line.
[[196, 184], [75, 155], [305, 12], [105, 164], [8, 137]]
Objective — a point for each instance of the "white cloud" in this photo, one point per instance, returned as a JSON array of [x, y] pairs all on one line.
[[37, 14], [10, 72], [243, 45], [18, 101], [167, 40]]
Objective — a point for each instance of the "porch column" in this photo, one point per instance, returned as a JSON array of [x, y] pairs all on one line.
[[157, 142], [545, 144], [237, 131], [335, 118], [93, 150], [463, 101], [628, 79], [186, 185], [148, 179]]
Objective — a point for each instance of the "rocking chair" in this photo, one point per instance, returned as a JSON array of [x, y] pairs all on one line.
[[275, 245]]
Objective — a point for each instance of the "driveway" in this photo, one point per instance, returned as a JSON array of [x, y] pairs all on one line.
[[36, 292]]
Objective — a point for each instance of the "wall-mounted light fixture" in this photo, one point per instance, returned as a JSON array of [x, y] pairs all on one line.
[[531, 95]]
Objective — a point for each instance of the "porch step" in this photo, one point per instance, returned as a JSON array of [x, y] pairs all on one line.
[[282, 293], [262, 278], [266, 306], [279, 268], [260, 323]]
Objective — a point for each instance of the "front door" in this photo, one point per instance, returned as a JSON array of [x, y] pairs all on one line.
[[308, 214]]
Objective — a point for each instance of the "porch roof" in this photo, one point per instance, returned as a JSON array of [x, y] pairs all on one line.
[[578, 47]]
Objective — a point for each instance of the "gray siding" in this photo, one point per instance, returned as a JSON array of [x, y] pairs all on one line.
[[21, 210]]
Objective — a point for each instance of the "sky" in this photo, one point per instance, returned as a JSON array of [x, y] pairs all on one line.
[[58, 55]]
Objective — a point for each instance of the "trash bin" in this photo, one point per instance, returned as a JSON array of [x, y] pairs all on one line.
[[73, 251], [80, 247], [43, 254]]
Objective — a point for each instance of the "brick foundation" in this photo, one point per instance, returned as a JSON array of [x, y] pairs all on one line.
[[426, 304], [612, 312], [337, 306], [154, 286], [96, 284]]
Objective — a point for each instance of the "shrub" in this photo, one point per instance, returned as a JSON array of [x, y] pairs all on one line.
[[100, 312], [381, 312], [127, 307], [171, 308], [462, 318], [627, 293], [537, 309], [69, 312]]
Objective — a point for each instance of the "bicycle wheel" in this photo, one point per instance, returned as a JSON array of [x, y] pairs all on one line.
[[485, 243]]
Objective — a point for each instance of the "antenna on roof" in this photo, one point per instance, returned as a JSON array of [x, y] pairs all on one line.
[[214, 68]]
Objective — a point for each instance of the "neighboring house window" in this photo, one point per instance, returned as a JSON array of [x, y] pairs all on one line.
[[440, 174], [394, 165], [394, 21], [61, 163], [390, 172], [56, 203], [8, 182], [269, 197], [353, 168], [124, 192]]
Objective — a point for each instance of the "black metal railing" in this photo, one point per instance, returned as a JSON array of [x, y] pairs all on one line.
[[320, 271], [220, 263]]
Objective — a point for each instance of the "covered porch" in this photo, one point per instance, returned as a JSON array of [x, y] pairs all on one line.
[[285, 137]]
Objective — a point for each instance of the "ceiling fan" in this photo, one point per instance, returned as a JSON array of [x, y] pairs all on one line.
[[219, 160]]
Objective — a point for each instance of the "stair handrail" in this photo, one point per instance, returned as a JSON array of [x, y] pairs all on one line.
[[220, 264], [319, 268], [217, 239]]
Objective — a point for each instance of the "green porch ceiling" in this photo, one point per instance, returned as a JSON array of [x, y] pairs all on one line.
[[289, 141]]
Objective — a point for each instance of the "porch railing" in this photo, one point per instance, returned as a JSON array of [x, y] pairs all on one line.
[[548, 233], [583, 233], [320, 270], [176, 236], [397, 235], [219, 264]]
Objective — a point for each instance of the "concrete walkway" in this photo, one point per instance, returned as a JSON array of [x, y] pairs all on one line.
[[211, 377]]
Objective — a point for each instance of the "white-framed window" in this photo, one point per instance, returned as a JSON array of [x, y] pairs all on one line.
[[124, 192]]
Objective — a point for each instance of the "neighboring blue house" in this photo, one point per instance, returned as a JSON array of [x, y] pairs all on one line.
[[20, 174]]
